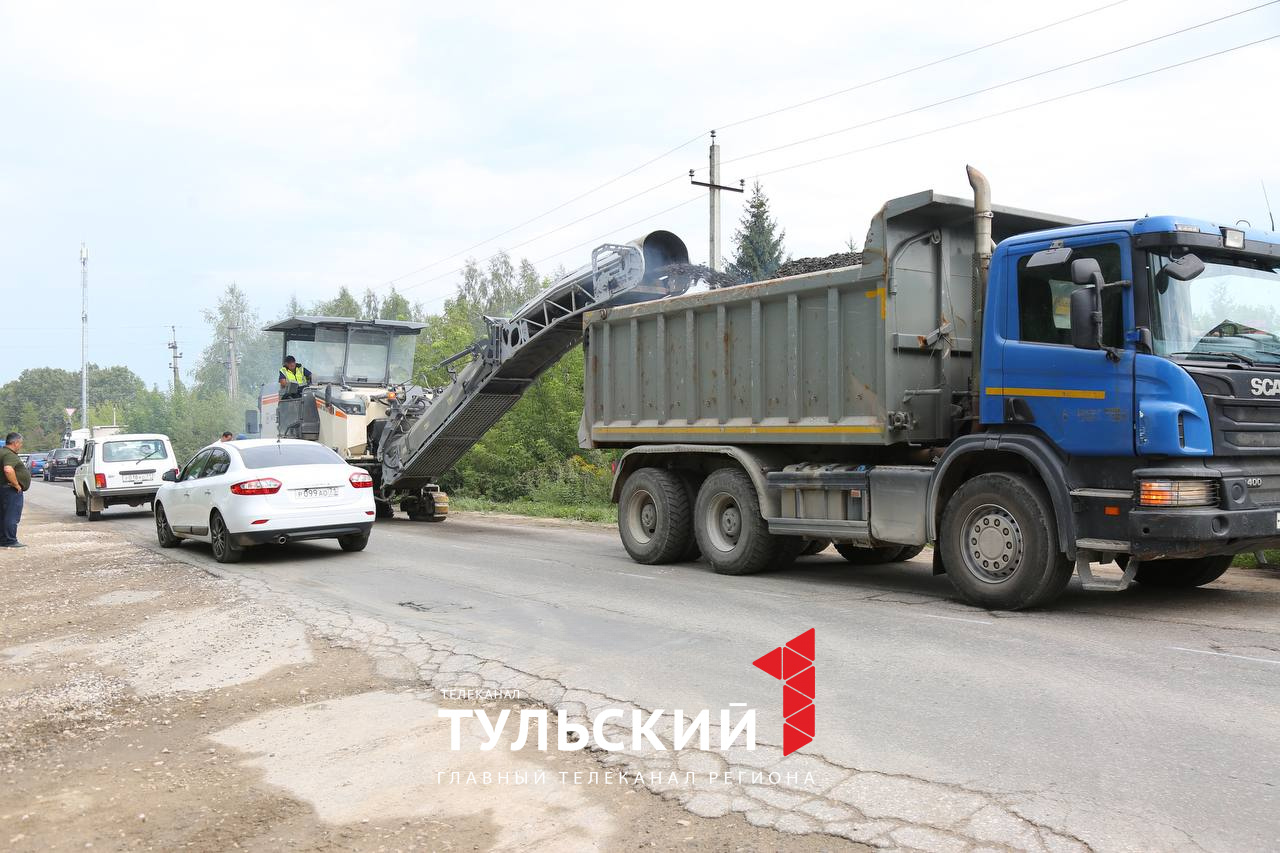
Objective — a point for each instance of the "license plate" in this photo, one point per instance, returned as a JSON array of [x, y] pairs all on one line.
[[136, 478], [330, 492]]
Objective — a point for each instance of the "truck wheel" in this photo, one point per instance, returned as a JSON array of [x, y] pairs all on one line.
[[908, 552], [999, 543], [1182, 574], [383, 509], [653, 516], [224, 550], [692, 553], [164, 533], [870, 556], [354, 541], [731, 532], [814, 546]]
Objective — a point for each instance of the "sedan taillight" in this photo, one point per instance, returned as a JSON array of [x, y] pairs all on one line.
[[361, 480], [263, 486], [100, 480]]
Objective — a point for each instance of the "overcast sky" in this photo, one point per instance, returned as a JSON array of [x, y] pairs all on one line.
[[298, 147]]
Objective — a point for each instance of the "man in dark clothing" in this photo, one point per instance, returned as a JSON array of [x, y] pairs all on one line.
[[17, 479]]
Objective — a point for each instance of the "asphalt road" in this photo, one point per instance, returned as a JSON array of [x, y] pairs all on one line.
[[1140, 720]]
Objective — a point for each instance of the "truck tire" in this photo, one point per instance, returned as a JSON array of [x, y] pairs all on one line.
[[354, 541], [383, 509], [814, 546], [653, 516], [999, 543], [1182, 574], [908, 552], [691, 484], [860, 556], [731, 532]]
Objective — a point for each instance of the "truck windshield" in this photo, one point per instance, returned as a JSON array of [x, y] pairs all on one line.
[[1230, 312], [367, 357], [402, 350], [319, 350]]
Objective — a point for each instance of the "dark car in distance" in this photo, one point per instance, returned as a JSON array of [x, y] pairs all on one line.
[[61, 463]]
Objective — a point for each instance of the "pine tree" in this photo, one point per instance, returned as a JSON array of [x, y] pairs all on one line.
[[758, 250]]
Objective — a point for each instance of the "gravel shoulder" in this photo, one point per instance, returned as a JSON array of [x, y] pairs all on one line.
[[147, 704]]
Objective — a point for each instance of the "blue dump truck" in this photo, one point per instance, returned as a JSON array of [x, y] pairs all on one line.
[[1070, 396]]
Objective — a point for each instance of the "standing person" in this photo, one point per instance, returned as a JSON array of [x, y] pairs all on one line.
[[17, 479]]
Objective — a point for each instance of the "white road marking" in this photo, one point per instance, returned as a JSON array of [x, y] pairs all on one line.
[[955, 619], [632, 575], [1224, 655]]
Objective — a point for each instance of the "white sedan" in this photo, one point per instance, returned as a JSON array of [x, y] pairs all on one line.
[[237, 494]]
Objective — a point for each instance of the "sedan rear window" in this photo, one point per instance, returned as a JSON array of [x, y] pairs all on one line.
[[134, 450], [273, 455]]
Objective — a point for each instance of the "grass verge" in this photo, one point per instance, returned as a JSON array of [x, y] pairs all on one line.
[[538, 509]]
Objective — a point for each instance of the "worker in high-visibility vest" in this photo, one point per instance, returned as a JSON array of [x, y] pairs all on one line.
[[293, 372]]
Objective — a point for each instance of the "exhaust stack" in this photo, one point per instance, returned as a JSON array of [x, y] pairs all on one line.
[[982, 248]]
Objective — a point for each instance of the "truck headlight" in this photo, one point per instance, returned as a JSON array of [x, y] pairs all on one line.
[[1178, 493], [1233, 238]]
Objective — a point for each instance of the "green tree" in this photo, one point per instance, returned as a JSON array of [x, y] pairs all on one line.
[[757, 244], [396, 307], [258, 351], [342, 305], [36, 401]]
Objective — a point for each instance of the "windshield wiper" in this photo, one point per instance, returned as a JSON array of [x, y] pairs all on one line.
[[1218, 353], [149, 455]]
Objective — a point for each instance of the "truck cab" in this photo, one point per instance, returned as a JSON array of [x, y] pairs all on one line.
[[1143, 355]]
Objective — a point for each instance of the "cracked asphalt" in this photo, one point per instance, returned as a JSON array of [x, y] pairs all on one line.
[[1146, 720]]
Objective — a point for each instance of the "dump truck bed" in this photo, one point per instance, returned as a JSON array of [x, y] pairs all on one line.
[[863, 355]]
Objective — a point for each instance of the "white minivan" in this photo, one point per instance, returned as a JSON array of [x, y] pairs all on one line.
[[121, 469]]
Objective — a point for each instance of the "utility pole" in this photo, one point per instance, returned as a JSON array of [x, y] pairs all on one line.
[[714, 187], [175, 355], [233, 377], [84, 336]]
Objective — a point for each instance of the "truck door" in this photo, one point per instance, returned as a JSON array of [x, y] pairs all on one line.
[[1081, 399]]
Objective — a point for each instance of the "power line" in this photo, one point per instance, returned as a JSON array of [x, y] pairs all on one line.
[[739, 122], [930, 64], [555, 230], [594, 241], [559, 207], [1021, 107], [962, 124], [996, 86]]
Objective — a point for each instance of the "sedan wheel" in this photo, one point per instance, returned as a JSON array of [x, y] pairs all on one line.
[[164, 533], [224, 549]]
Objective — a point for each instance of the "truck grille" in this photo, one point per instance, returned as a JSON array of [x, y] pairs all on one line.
[[1248, 427]]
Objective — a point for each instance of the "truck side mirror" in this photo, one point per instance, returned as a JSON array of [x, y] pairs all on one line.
[[1087, 271], [1184, 268], [251, 421], [1086, 320]]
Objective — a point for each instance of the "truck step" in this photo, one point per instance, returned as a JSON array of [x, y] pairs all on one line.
[[1090, 581]]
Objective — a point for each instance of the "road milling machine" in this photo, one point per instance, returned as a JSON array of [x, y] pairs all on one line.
[[361, 400]]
